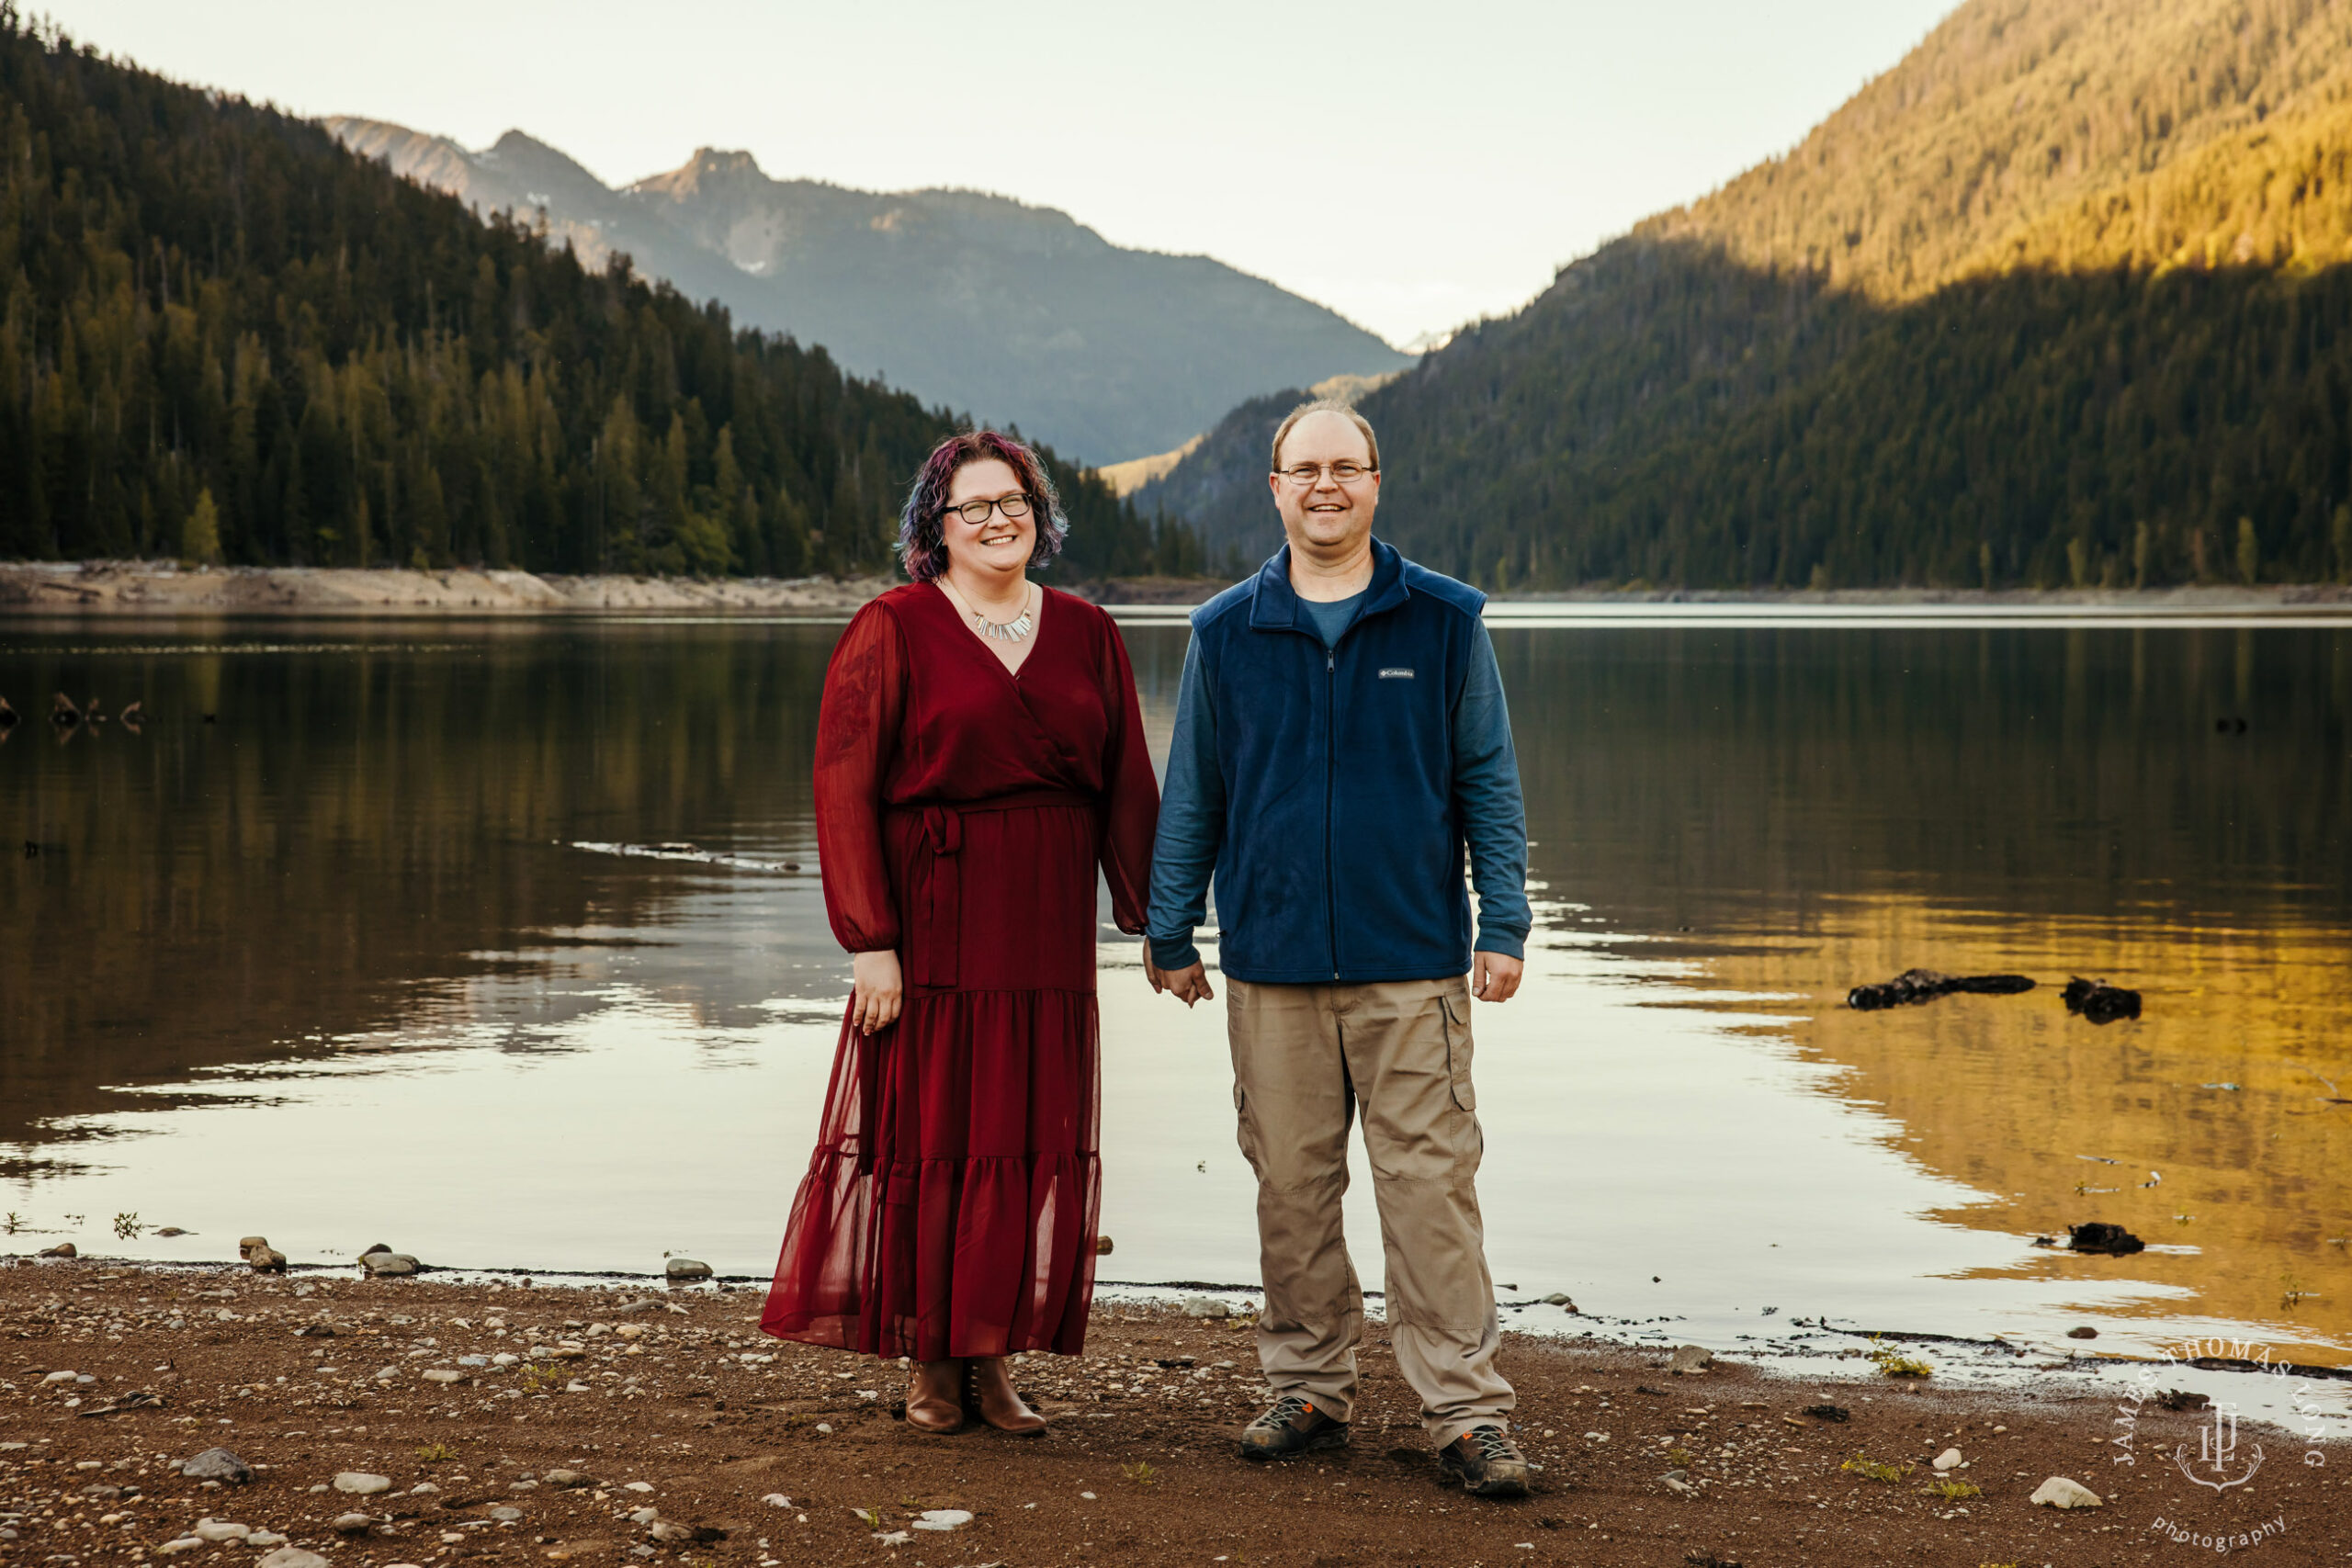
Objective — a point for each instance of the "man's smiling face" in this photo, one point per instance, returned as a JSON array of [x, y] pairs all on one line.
[[1327, 516]]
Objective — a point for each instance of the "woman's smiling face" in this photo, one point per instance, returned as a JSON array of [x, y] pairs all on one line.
[[998, 545]]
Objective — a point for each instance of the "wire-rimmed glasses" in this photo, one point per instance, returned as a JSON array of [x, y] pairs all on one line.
[[1303, 476]]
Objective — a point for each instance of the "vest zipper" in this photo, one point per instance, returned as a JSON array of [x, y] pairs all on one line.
[[1331, 767]]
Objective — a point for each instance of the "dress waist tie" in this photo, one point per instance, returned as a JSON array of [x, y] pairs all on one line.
[[936, 893]]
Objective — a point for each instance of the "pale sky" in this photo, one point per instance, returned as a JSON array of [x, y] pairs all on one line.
[[1414, 166]]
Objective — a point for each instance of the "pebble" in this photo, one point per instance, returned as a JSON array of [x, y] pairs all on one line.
[[2063, 1492], [218, 1464], [60, 1377], [566, 1479], [1949, 1459], [644, 1516], [506, 1513], [505, 1358], [360, 1483], [352, 1524], [221, 1530], [687, 1269], [67, 1249], [292, 1557], [2085, 1332], [185, 1543], [421, 1488], [776, 1500], [1560, 1299], [265, 1538], [637, 1486], [1690, 1358], [1206, 1306], [443, 1374]]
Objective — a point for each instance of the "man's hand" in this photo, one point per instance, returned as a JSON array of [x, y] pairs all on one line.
[[1190, 983], [879, 992], [1495, 976]]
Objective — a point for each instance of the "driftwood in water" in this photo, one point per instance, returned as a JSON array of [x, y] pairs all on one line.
[[2098, 1236], [1925, 985], [2101, 1002]]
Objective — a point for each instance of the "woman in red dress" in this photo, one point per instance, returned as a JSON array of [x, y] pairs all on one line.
[[978, 752]]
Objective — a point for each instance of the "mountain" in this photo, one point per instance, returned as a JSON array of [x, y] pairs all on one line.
[[225, 335], [1012, 312], [2063, 297]]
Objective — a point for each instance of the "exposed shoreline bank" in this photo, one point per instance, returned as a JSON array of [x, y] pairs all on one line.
[[159, 589], [527, 1424]]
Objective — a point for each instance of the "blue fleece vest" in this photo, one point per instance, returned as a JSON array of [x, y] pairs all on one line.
[[1342, 859]]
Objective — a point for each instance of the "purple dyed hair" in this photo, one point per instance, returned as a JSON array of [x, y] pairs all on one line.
[[922, 539]]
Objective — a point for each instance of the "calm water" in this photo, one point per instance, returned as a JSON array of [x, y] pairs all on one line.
[[392, 951]]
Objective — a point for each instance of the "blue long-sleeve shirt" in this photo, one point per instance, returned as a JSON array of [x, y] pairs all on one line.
[[1485, 793]]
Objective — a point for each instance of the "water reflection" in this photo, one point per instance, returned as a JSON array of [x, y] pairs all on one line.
[[508, 941]]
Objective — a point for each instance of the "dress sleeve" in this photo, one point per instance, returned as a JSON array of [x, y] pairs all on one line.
[[857, 728], [1131, 795]]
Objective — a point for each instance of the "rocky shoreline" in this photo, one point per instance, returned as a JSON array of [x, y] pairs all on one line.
[[298, 1420], [163, 589]]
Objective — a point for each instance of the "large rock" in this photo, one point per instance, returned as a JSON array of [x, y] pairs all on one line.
[[62, 1250], [218, 1464], [1690, 1358], [687, 1269], [260, 1256], [387, 1263], [292, 1557], [2100, 1236], [2063, 1492]]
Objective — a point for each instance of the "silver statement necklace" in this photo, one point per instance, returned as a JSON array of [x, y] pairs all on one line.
[[1015, 630]]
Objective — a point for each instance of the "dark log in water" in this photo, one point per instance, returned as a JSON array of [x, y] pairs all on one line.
[[1925, 985], [2101, 1002]]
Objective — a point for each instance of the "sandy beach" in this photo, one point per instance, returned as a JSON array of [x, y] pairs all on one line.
[[410, 1421]]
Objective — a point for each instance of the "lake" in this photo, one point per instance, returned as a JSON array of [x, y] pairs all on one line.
[[504, 944]]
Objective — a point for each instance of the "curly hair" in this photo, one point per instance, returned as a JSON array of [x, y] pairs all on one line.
[[922, 541]]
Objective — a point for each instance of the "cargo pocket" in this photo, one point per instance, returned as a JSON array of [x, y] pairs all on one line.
[[1457, 1050], [1242, 1126]]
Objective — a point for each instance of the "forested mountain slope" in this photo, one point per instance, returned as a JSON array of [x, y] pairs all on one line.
[[1018, 314], [224, 334], [2063, 297]]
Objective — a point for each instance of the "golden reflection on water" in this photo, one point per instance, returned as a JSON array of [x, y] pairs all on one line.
[[2252, 1217]]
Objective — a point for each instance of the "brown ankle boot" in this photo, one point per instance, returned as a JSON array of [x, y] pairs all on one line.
[[933, 1405], [989, 1393]]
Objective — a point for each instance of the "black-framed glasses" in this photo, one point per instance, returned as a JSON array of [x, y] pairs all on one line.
[[1303, 475], [976, 512]]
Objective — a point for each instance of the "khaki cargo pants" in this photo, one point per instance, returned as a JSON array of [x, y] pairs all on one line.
[[1305, 1058]]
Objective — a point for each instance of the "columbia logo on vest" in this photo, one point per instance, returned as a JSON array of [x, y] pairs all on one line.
[[1396, 673]]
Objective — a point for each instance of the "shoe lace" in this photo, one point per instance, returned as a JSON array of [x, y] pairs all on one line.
[[1286, 1411], [1493, 1442]]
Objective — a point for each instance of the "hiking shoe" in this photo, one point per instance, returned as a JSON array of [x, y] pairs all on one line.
[[1291, 1427], [1488, 1462]]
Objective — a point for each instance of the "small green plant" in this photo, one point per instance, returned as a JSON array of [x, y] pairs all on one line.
[[535, 1379], [15, 1223], [872, 1516], [436, 1453], [2291, 1293], [1874, 1470], [127, 1226], [1952, 1490], [1140, 1474], [1679, 1458], [1893, 1363], [2182, 1219]]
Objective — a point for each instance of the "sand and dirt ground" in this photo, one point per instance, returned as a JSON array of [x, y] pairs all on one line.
[[532, 1424]]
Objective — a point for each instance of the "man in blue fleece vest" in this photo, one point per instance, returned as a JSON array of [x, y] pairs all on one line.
[[1340, 742]]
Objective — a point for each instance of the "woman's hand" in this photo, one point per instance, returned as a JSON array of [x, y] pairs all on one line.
[[879, 993]]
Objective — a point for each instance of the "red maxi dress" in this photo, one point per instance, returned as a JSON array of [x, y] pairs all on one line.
[[951, 1205]]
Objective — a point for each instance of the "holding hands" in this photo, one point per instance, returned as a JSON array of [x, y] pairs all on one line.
[[1188, 984]]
